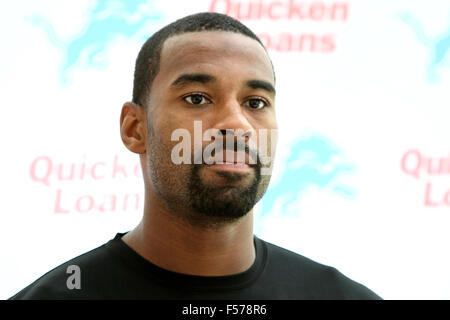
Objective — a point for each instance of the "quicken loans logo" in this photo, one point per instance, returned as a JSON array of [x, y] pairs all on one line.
[[433, 172]]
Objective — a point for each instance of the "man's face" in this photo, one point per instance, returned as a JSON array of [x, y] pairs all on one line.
[[222, 79]]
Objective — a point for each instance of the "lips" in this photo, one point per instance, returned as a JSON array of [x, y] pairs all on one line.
[[228, 157], [230, 161]]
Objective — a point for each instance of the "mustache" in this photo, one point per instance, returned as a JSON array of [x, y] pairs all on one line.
[[243, 149]]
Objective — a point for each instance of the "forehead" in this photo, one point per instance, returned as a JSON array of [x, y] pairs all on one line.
[[214, 51]]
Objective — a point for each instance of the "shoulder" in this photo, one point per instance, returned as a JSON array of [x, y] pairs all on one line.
[[66, 281], [319, 281]]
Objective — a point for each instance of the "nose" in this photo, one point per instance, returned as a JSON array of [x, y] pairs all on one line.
[[230, 118]]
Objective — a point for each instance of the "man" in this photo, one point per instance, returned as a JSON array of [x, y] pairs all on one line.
[[195, 240]]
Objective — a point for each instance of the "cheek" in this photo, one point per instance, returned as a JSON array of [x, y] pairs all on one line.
[[266, 143], [168, 148], [167, 123], [160, 133]]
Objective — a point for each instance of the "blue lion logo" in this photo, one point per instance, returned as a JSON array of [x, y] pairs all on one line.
[[109, 19], [313, 162], [439, 46]]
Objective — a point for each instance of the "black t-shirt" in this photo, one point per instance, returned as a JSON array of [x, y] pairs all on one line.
[[115, 271]]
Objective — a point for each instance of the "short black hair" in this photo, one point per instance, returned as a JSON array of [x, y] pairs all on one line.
[[148, 60]]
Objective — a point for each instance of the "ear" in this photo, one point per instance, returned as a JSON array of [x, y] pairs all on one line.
[[133, 127]]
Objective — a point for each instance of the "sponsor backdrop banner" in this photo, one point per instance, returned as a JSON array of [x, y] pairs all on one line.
[[362, 174]]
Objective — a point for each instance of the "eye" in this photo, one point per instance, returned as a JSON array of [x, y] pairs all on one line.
[[196, 98], [256, 103]]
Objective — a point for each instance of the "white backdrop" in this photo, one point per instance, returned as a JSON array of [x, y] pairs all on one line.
[[363, 109]]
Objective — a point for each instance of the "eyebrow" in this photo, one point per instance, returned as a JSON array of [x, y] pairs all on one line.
[[188, 78], [261, 84]]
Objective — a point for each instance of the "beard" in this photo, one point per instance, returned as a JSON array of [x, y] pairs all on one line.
[[218, 204], [201, 204]]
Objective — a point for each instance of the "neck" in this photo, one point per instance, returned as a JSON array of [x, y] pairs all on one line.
[[172, 244]]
